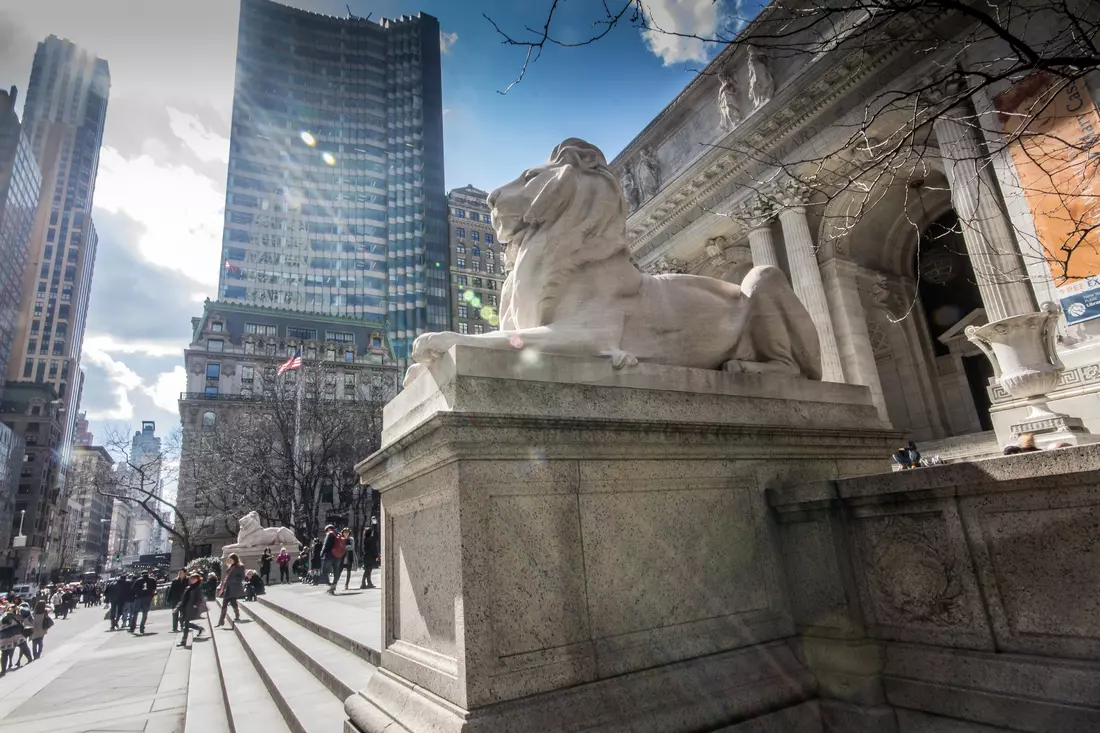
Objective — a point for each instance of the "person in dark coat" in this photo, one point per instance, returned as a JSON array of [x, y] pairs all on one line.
[[175, 595], [265, 566], [127, 596], [145, 588], [191, 607], [254, 585], [232, 588], [370, 555]]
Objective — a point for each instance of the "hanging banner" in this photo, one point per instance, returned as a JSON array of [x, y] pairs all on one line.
[[1057, 155], [1081, 300]]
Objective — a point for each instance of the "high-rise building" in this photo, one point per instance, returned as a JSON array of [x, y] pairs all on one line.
[[144, 469], [20, 181], [82, 435], [63, 119], [335, 200], [89, 510], [477, 263]]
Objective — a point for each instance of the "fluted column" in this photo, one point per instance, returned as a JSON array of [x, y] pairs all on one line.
[[990, 244], [756, 216], [806, 277]]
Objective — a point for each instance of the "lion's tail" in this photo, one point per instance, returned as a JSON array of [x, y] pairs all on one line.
[[780, 328]]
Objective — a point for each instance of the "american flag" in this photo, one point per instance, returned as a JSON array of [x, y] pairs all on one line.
[[294, 362]]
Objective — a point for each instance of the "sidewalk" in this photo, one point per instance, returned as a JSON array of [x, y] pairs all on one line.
[[101, 680]]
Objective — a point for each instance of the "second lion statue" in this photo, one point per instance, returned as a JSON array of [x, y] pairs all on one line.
[[574, 290]]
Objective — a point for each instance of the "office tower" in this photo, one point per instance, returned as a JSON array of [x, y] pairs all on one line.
[[335, 202], [20, 181], [477, 263], [63, 119], [144, 469], [82, 434]]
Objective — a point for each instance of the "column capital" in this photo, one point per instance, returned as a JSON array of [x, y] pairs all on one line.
[[721, 251], [935, 93], [755, 213], [792, 194]]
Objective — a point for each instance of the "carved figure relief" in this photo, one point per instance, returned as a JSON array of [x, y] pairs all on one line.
[[913, 576], [665, 265], [727, 101], [761, 83], [630, 191], [649, 174]]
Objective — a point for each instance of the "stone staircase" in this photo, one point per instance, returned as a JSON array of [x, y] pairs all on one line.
[[289, 664]]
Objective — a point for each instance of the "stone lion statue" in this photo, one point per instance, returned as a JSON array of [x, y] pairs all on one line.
[[573, 289], [253, 534]]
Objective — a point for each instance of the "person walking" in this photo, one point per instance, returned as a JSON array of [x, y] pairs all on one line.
[[126, 594], [370, 555], [332, 554], [315, 558], [56, 602], [283, 561], [349, 558], [41, 623], [11, 636], [254, 585], [232, 588], [191, 607], [145, 588], [265, 565], [175, 595]]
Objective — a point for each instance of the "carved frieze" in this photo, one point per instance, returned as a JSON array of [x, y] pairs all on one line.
[[761, 82]]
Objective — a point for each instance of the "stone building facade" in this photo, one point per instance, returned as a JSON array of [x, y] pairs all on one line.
[[892, 269], [231, 364], [477, 263], [89, 510]]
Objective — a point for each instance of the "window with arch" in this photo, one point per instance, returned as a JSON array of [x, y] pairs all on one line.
[[475, 251], [209, 419]]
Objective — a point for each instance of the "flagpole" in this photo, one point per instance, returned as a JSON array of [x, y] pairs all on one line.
[[297, 442]]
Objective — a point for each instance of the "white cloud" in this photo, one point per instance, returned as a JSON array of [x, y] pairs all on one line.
[[205, 143], [691, 17], [180, 209], [447, 41], [109, 344], [123, 380], [163, 391]]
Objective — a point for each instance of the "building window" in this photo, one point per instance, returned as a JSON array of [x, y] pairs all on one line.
[[305, 334], [475, 237], [463, 328], [492, 300], [211, 391], [475, 265], [492, 284], [460, 279], [217, 327], [478, 282], [490, 254], [349, 357], [475, 251], [341, 337], [248, 373], [460, 249], [461, 261], [209, 419], [490, 268], [488, 238], [250, 347], [460, 232], [269, 348], [460, 213], [463, 311], [261, 329], [213, 371], [216, 345], [478, 328], [474, 216]]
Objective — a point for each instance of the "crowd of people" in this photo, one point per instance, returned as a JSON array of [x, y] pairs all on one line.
[[325, 560], [25, 622]]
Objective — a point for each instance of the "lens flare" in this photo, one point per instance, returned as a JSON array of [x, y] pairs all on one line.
[[307, 138], [468, 295], [328, 158]]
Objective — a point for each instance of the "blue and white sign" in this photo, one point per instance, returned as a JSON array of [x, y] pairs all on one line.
[[1081, 300]]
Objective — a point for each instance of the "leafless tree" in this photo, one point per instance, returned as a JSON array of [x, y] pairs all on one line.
[[1007, 72], [290, 453]]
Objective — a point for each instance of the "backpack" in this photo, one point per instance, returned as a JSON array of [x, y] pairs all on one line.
[[338, 547]]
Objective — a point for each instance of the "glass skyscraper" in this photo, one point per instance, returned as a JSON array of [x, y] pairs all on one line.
[[335, 201]]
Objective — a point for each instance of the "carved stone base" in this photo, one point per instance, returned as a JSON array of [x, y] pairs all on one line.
[[1053, 428]]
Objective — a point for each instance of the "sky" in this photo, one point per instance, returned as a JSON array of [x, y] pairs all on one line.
[[160, 191]]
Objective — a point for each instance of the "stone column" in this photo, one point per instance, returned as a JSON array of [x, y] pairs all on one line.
[[756, 216], [806, 278], [1001, 275]]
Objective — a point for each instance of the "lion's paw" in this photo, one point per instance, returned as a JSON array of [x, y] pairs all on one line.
[[430, 346], [620, 358]]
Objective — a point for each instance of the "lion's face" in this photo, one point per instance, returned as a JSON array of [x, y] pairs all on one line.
[[512, 202]]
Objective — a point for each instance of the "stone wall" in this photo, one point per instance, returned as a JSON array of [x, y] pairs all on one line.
[[963, 597]]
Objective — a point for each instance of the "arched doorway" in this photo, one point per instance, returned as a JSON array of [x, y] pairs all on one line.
[[951, 301]]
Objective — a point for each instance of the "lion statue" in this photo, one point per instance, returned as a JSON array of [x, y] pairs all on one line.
[[252, 534], [573, 289]]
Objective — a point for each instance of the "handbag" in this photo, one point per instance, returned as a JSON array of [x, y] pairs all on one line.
[[47, 623]]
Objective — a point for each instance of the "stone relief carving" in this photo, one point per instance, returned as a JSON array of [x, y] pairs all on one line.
[[197, 367], [575, 290], [755, 213], [880, 341], [727, 101], [912, 575], [229, 368], [761, 83], [665, 265], [630, 191], [649, 174]]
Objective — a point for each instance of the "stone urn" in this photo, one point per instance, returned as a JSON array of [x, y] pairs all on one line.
[[1026, 365]]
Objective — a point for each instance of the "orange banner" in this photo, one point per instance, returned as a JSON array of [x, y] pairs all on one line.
[[1057, 155]]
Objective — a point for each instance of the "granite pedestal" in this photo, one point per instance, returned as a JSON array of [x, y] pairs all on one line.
[[570, 547]]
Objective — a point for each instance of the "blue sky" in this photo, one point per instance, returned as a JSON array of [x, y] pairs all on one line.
[[161, 185]]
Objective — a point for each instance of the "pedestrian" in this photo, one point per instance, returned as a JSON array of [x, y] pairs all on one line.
[[210, 587], [283, 561], [254, 585], [265, 565], [232, 588], [56, 602], [332, 553], [11, 635], [370, 555], [26, 620], [349, 557], [67, 600], [191, 607], [127, 595], [145, 588], [40, 625], [315, 562], [175, 595]]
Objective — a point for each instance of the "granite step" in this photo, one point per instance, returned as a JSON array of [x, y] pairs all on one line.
[[206, 711], [340, 670], [250, 705], [306, 704], [356, 629]]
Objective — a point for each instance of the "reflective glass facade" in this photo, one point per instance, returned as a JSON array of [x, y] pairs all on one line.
[[335, 201]]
